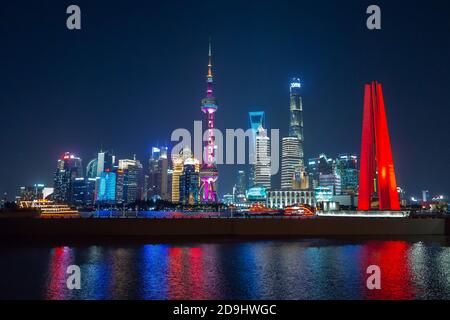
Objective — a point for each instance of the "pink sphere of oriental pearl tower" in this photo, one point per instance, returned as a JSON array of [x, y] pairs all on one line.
[[208, 172]]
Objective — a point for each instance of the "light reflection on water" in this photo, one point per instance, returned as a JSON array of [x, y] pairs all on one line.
[[281, 269], [152, 214]]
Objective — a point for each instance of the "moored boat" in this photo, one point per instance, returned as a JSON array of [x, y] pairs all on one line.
[[301, 210], [50, 209]]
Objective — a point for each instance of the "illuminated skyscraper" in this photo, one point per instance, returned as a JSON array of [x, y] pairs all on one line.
[[347, 167], [262, 175], [105, 162], [209, 173], [106, 192], [292, 165], [119, 186], [84, 191], [332, 181], [301, 178], [158, 179], [169, 182], [425, 196], [91, 168], [296, 122], [291, 160], [240, 188], [132, 180], [377, 175], [68, 168], [190, 182], [177, 171], [321, 165], [257, 120], [241, 183], [178, 161]]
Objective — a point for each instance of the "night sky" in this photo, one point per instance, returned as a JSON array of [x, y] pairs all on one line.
[[136, 71]]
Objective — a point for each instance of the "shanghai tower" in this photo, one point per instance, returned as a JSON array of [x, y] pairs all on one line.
[[296, 121], [208, 172], [292, 146]]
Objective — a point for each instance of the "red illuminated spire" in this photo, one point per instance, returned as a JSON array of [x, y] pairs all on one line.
[[377, 174]]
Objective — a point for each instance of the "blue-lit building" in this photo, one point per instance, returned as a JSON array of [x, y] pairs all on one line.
[[106, 191], [257, 194]]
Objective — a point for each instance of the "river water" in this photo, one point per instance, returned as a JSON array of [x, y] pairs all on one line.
[[228, 269]]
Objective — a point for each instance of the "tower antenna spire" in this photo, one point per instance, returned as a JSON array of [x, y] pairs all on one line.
[[210, 46], [210, 61]]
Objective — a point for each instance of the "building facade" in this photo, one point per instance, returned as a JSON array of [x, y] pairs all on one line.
[[132, 180], [105, 162], [317, 166], [190, 182], [332, 181], [84, 192], [177, 171], [68, 168], [240, 188], [256, 120], [91, 168], [262, 166], [158, 177], [292, 164], [296, 120], [291, 161], [279, 199], [106, 190], [347, 168]]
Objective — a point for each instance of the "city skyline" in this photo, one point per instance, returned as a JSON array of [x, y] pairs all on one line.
[[225, 158], [326, 96]]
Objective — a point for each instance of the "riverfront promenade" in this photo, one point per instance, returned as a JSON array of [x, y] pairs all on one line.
[[223, 227]]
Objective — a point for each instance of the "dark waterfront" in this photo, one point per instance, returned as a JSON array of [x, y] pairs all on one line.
[[228, 269]]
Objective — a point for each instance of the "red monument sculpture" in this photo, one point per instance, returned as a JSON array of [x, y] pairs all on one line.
[[377, 174]]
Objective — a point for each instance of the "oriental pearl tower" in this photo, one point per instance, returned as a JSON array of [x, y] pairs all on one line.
[[208, 172]]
